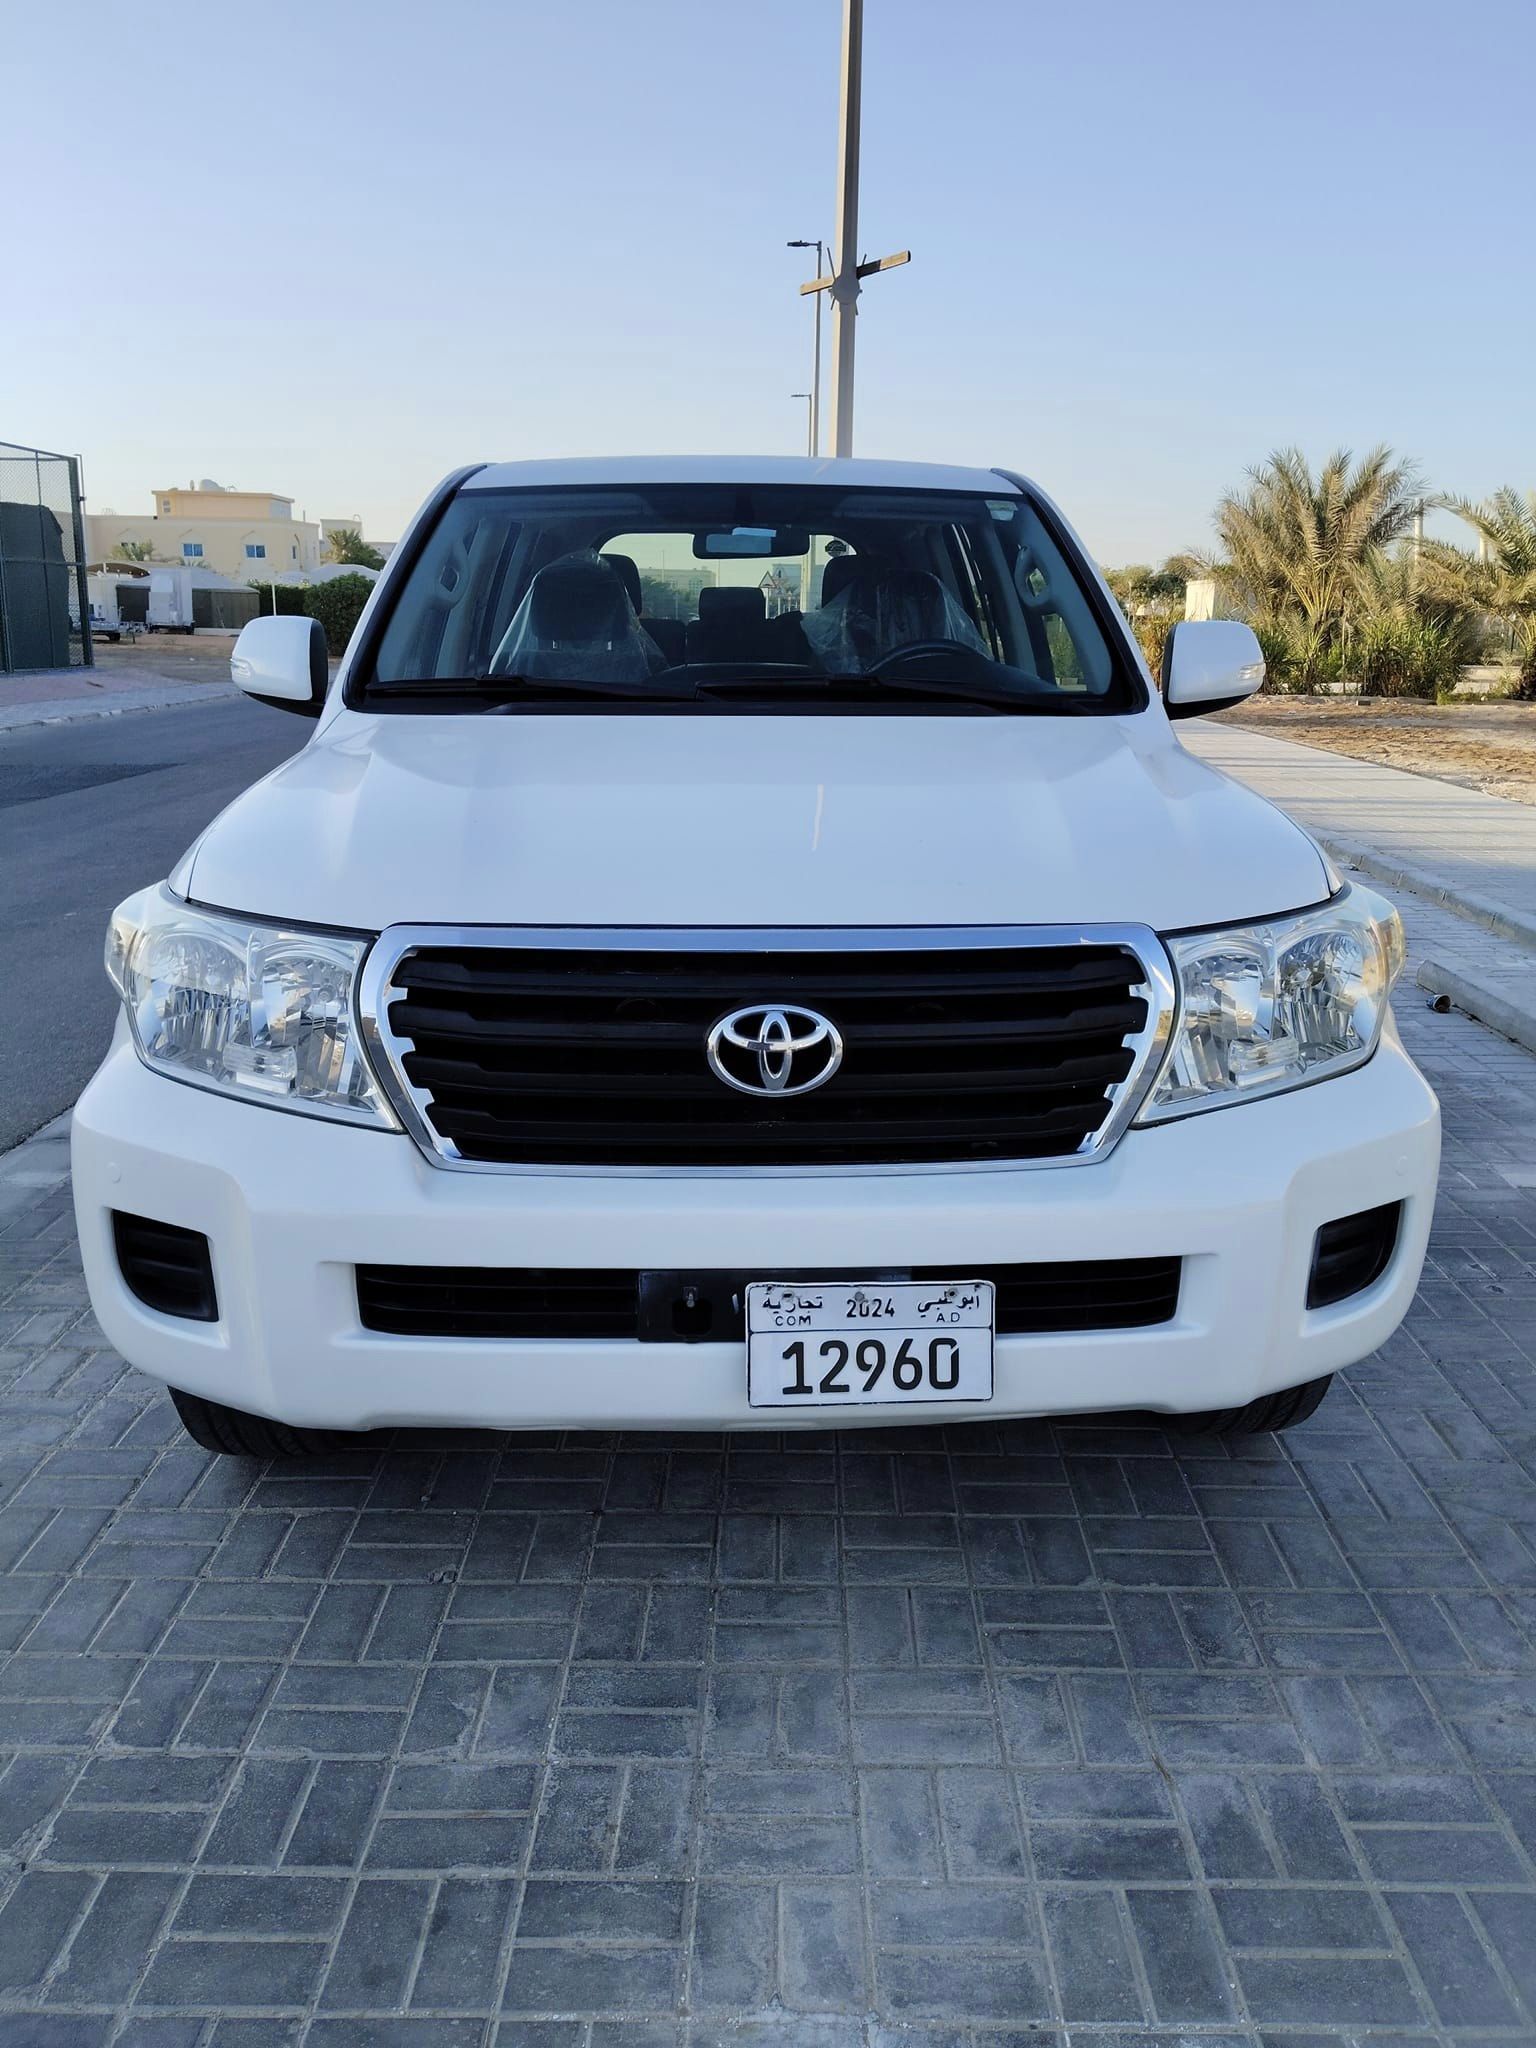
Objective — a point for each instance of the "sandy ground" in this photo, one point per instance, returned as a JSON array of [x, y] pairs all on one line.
[[127, 666], [1491, 747], [153, 660], [175, 657]]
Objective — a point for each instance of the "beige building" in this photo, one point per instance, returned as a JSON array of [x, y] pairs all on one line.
[[245, 535]]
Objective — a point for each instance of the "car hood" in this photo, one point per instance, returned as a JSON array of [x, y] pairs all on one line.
[[739, 820]]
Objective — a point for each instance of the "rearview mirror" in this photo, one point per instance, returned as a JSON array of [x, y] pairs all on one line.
[[282, 662], [755, 542], [1208, 665]]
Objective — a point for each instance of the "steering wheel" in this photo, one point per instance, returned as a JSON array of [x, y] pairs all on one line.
[[920, 650]]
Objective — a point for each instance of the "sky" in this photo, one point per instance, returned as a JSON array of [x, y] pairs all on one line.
[[334, 250]]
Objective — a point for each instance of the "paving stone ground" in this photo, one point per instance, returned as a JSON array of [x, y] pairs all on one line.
[[949, 1738]]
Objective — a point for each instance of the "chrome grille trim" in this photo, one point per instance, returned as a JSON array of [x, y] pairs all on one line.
[[376, 988]]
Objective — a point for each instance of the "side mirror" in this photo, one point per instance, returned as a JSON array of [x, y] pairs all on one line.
[[1208, 664], [282, 662]]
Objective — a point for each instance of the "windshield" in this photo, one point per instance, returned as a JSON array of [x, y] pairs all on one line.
[[771, 596]]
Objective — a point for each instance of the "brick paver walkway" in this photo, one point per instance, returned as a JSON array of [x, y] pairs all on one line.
[[940, 1739]]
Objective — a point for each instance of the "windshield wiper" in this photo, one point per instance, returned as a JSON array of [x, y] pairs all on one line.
[[875, 681], [993, 696], [509, 691], [642, 691]]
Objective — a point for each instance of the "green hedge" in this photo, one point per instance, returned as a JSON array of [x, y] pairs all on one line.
[[290, 598], [338, 605]]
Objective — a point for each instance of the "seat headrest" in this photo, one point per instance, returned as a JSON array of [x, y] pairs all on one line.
[[731, 604], [908, 586], [839, 573], [582, 600], [900, 605], [629, 576]]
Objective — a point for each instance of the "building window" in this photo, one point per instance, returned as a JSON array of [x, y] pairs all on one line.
[[294, 552], [165, 504], [192, 550], [255, 551]]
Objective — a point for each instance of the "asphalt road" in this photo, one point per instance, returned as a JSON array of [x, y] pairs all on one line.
[[88, 813]]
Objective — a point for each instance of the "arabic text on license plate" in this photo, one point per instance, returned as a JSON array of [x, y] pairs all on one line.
[[814, 1344]]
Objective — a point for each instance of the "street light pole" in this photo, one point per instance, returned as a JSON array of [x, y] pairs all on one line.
[[820, 247], [845, 286], [810, 420], [815, 448], [844, 280]]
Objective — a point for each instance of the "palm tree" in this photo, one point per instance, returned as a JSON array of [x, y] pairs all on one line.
[[1190, 563], [1142, 586], [134, 551], [1299, 544], [1501, 578], [345, 544]]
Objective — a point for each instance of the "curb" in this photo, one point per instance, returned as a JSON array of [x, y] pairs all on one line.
[[1399, 874], [80, 710], [1480, 1000], [35, 1165]]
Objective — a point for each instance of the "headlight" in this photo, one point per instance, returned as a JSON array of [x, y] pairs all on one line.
[[254, 1010], [1270, 1006]]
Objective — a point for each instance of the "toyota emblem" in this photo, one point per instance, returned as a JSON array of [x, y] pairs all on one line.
[[768, 1050]]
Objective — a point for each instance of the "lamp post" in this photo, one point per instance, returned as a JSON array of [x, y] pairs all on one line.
[[843, 283], [815, 442], [810, 419]]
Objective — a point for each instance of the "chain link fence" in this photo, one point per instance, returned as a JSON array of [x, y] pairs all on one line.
[[44, 608]]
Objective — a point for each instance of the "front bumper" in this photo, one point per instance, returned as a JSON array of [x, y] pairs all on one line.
[[292, 1205]]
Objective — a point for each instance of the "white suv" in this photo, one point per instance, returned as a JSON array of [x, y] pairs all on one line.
[[744, 948]]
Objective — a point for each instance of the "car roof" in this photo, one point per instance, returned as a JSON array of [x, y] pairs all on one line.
[[845, 473]]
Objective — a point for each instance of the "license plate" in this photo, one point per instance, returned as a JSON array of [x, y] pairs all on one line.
[[868, 1344]]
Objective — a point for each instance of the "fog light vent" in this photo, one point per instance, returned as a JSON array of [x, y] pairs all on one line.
[[169, 1269], [1352, 1253]]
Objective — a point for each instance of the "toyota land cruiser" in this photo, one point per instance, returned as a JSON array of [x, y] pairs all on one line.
[[745, 948]]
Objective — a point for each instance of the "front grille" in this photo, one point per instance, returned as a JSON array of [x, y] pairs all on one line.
[[530, 1055], [548, 1302], [166, 1267], [1352, 1253]]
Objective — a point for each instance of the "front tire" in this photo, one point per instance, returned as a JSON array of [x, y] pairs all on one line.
[[234, 1434], [1269, 1412]]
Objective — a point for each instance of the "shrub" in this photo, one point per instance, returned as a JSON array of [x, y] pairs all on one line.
[[338, 605], [1413, 657], [290, 598], [1396, 657], [1152, 630], [1387, 654], [1286, 669]]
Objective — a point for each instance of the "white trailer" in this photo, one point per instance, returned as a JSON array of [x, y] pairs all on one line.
[[104, 589], [170, 601]]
